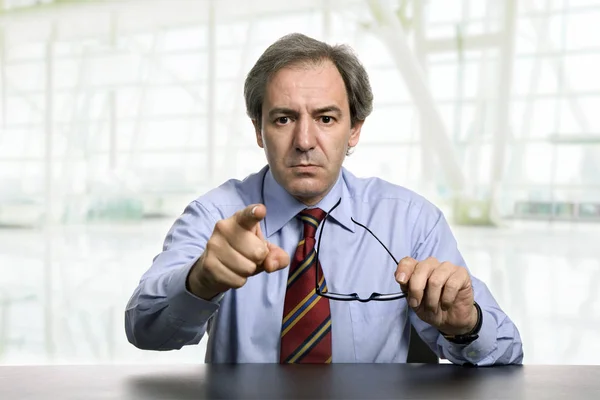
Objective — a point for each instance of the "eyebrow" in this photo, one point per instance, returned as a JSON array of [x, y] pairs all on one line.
[[288, 111], [329, 109], [282, 111]]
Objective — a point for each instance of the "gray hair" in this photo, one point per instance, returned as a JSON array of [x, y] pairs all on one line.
[[299, 49]]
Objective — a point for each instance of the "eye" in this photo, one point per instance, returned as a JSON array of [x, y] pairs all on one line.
[[326, 119], [282, 120]]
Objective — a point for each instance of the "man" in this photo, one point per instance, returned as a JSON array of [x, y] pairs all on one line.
[[272, 266]]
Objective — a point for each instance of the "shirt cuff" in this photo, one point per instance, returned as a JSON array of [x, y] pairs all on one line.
[[185, 306], [476, 351]]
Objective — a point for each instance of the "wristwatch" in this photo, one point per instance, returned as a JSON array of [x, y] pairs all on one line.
[[471, 336]]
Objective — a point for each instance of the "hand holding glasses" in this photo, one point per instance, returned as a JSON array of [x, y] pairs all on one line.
[[449, 306]]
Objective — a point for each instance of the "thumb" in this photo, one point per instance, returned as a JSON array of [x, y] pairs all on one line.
[[276, 259], [250, 216]]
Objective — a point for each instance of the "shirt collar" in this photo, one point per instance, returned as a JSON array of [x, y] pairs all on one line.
[[282, 206]]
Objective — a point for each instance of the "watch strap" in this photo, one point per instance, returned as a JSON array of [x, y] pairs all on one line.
[[468, 337]]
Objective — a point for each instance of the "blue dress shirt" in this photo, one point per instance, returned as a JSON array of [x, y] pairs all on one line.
[[244, 325]]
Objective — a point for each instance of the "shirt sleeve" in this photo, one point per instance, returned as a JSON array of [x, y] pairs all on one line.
[[162, 314], [499, 341]]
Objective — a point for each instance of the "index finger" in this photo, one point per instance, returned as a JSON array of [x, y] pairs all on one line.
[[404, 271], [250, 216]]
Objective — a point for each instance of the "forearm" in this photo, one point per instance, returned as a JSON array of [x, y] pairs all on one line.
[[499, 343], [163, 315]]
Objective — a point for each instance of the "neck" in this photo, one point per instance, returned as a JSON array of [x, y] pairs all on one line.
[[309, 202]]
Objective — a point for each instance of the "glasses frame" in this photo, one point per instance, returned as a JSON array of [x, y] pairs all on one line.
[[352, 296]]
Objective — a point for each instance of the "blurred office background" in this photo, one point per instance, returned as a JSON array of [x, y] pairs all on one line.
[[115, 114]]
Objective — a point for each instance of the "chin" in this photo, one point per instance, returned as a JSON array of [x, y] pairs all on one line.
[[307, 192], [303, 185]]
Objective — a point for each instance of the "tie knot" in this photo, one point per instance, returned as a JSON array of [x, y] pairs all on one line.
[[311, 217]]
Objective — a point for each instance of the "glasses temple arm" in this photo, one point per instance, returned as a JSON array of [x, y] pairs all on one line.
[[380, 242]]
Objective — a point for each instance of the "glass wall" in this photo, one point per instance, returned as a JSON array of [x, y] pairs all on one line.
[[114, 115]]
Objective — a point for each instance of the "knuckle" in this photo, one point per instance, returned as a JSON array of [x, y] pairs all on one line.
[[462, 271], [406, 260], [205, 271], [238, 283], [260, 253], [268, 266], [448, 265], [205, 263], [249, 268], [435, 282], [221, 226], [212, 247], [452, 286]]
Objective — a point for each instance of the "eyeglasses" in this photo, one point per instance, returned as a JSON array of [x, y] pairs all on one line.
[[352, 296]]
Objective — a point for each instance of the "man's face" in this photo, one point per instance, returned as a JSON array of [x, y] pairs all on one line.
[[306, 129]]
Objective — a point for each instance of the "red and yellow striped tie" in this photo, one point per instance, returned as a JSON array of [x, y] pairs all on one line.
[[306, 328]]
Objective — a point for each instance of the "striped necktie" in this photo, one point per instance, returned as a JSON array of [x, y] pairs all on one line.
[[306, 327]]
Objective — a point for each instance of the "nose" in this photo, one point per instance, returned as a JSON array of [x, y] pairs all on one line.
[[305, 135]]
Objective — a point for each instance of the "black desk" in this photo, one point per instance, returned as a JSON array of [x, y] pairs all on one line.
[[400, 381]]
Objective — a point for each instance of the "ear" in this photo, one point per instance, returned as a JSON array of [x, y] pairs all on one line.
[[258, 133], [355, 133]]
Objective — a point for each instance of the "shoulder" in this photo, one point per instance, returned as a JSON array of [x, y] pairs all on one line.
[[373, 190], [379, 202]]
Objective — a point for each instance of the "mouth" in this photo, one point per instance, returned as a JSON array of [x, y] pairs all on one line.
[[305, 167]]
